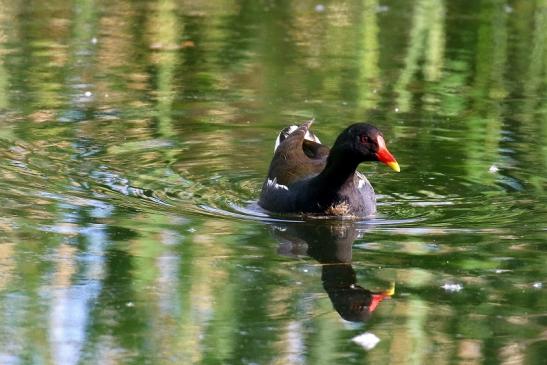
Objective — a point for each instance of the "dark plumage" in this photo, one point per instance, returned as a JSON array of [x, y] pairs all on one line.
[[308, 177]]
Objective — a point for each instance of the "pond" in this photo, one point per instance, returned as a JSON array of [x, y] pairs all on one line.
[[135, 137]]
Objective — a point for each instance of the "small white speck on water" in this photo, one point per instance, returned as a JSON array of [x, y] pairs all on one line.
[[129, 304], [191, 230], [319, 8], [94, 40], [382, 8], [538, 285], [88, 94], [508, 9], [493, 169], [367, 340], [396, 110], [452, 288]]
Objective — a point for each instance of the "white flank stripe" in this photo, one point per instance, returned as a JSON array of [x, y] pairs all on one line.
[[273, 184]]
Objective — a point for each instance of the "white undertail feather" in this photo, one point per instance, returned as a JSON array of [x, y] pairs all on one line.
[[311, 137], [291, 129], [288, 131]]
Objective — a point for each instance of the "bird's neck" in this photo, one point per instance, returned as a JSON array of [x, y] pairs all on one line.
[[339, 169]]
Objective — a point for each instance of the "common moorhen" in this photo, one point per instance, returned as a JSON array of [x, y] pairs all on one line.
[[305, 176]]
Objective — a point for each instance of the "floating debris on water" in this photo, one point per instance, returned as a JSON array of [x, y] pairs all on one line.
[[382, 8], [452, 288], [538, 285], [319, 8], [493, 169], [367, 340]]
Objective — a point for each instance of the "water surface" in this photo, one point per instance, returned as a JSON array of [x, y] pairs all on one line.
[[135, 136]]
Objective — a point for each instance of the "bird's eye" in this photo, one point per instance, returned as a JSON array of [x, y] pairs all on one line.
[[364, 139]]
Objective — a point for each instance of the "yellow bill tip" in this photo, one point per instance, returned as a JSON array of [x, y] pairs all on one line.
[[394, 166], [391, 290]]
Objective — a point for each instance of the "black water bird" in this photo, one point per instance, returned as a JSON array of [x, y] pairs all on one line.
[[306, 176]]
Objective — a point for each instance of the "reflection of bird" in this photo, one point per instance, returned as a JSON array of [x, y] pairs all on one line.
[[331, 244], [308, 177]]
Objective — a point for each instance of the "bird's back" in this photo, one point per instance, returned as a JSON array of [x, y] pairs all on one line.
[[297, 158]]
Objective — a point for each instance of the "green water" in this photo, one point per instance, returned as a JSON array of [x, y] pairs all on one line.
[[135, 136]]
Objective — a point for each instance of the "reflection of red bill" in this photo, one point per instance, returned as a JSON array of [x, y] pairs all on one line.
[[377, 298], [385, 156]]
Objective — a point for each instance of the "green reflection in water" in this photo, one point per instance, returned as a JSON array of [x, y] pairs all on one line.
[[369, 76], [135, 137], [426, 41]]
